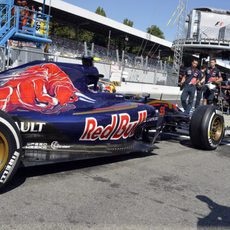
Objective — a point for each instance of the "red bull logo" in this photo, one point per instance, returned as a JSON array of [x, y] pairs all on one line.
[[115, 130], [43, 88]]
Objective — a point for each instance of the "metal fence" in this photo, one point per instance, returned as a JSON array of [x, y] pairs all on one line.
[[71, 48], [2, 58], [138, 70]]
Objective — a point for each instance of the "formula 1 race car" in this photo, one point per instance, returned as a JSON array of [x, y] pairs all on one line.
[[48, 113]]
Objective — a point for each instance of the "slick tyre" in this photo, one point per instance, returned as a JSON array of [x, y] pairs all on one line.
[[206, 128], [10, 148]]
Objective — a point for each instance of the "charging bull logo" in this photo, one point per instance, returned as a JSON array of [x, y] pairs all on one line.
[[42, 88]]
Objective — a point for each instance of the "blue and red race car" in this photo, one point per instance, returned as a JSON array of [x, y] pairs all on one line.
[[53, 112]]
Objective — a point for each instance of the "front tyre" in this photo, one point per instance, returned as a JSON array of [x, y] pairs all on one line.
[[10, 148], [206, 128]]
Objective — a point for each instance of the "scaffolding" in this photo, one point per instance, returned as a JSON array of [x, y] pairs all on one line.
[[21, 23], [179, 17]]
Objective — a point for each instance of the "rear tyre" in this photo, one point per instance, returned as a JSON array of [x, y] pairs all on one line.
[[206, 128], [10, 148]]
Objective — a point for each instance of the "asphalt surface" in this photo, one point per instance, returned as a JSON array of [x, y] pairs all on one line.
[[175, 187]]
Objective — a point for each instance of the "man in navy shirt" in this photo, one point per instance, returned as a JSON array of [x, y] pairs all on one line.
[[200, 87], [213, 76], [191, 77]]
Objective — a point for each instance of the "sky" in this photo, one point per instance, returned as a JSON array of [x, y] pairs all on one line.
[[145, 13]]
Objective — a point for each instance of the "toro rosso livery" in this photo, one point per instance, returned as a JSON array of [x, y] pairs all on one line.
[[48, 114], [52, 112]]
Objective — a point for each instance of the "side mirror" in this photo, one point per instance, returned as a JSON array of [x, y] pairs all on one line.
[[93, 79], [101, 76]]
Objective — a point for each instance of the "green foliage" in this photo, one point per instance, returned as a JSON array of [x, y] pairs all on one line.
[[60, 30], [100, 11], [156, 31], [85, 36], [70, 32], [128, 22], [65, 32]]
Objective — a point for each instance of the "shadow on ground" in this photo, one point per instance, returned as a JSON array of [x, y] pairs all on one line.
[[25, 172], [219, 216], [177, 139], [187, 143]]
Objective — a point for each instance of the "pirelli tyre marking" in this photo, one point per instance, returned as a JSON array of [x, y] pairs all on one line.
[[9, 168]]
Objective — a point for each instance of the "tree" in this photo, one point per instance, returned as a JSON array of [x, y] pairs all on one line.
[[128, 22], [100, 11], [156, 31], [58, 29], [62, 31], [85, 36]]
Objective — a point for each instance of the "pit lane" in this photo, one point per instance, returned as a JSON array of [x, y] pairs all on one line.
[[175, 186]]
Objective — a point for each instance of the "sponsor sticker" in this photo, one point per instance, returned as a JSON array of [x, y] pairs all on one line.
[[120, 127], [30, 127], [36, 146], [55, 145]]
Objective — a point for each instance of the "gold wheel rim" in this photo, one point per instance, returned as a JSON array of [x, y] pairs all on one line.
[[4, 151], [216, 129]]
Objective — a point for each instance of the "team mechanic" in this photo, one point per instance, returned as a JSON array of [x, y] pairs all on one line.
[[189, 80], [213, 75]]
